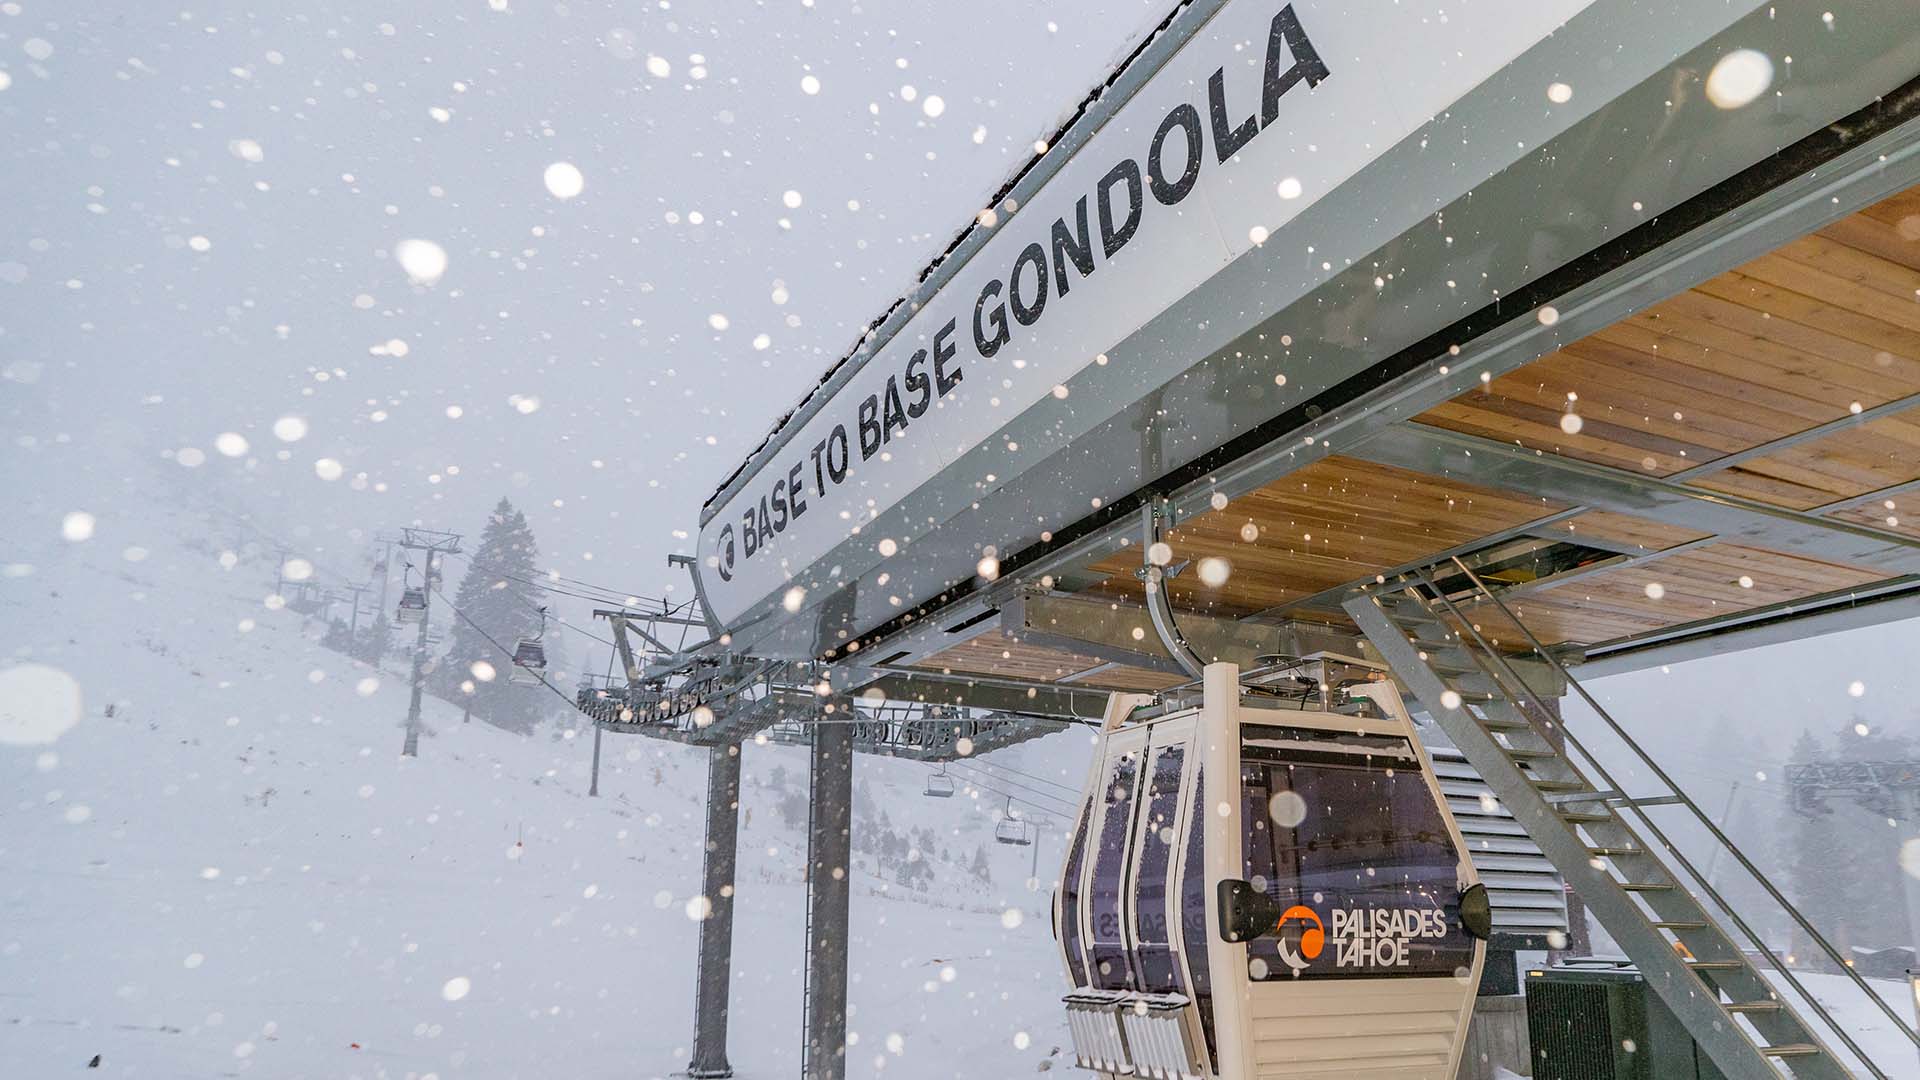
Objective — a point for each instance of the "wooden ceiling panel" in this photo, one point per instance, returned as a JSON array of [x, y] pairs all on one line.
[[1902, 517], [1890, 229], [1824, 326], [998, 654], [994, 653], [1696, 583], [1609, 529], [1845, 464], [1322, 526]]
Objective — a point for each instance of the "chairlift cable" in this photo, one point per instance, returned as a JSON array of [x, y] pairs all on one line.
[[1048, 810], [607, 594], [537, 608], [1065, 809], [561, 694], [1016, 784], [982, 762]]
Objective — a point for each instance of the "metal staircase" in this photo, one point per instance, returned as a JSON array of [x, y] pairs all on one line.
[[1597, 835]]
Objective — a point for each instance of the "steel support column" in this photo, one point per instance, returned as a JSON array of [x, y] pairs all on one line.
[[829, 854], [716, 931]]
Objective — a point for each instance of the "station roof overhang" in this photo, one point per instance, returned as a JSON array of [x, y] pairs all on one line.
[[1725, 298]]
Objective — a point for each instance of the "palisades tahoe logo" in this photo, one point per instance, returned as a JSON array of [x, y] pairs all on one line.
[[1361, 937], [1069, 249]]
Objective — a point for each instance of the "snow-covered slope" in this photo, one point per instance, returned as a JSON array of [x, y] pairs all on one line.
[[224, 867]]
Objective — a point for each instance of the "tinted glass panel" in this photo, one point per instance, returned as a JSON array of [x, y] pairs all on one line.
[[1111, 971], [1193, 908], [1158, 972], [1070, 930], [1344, 832]]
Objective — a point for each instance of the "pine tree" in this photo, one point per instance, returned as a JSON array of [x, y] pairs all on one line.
[[499, 596], [375, 640]]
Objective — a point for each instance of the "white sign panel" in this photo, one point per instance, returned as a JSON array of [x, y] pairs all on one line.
[[1263, 111]]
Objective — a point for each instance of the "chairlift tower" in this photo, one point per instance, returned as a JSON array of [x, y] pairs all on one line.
[[1888, 788], [435, 544]]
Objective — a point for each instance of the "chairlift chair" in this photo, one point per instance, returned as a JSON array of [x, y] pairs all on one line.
[[530, 658], [940, 785], [1013, 830], [306, 598]]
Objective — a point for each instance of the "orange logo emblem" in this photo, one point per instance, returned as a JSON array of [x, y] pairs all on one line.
[[1313, 937]]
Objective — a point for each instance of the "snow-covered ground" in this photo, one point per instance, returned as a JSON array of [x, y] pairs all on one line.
[[1869, 1027], [224, 867]]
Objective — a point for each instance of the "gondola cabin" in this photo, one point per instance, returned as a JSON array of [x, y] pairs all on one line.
[[529, 663], [413, 606], [1314, 916]]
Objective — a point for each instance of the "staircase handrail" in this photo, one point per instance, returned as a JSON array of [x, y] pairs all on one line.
[[1719, 836]]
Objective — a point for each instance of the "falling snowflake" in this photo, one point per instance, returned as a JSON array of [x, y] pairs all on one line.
[[563, 180], [1738, 78], [423, 260]]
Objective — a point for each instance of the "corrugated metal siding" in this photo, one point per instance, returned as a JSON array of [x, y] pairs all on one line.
[[1528, 894], [1399, 1035]]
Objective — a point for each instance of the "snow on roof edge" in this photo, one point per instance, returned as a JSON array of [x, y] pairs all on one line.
[[1132, 53]]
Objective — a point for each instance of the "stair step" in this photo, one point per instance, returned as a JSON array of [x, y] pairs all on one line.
[[1521, 753], [1715, 965], [1580, 817], [1564, 785], [1647, 886], [1791, 1050], [1579, 796], [1616, 852], [1679, 926], [1752, 1006], [1503, 723]]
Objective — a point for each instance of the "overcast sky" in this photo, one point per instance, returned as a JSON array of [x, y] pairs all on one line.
[[203, 208], [204, 204]]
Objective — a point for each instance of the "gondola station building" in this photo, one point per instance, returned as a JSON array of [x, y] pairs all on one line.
[[1341, 390]]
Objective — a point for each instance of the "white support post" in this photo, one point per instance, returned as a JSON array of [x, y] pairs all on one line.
[[1220, 800]]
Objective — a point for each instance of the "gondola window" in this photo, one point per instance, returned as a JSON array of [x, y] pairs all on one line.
[[1070, 930], [1112, 969], [1193, 909], [1343, 832], [1158, 971]]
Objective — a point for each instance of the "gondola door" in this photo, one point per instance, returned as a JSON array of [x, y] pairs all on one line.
[[1340, 875], [1126, 884]]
